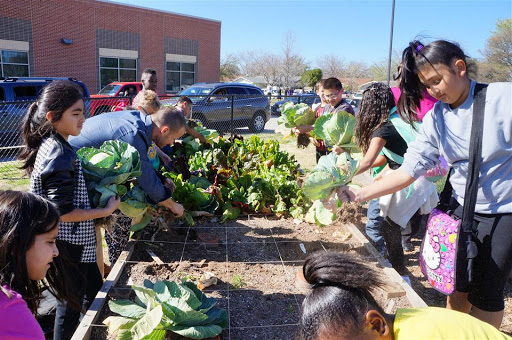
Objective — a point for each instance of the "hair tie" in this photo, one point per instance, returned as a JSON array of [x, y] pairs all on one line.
[[419, 47]]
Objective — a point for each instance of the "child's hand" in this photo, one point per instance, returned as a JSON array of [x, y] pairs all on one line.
[[112, 204], [347, 194], [338, 150]]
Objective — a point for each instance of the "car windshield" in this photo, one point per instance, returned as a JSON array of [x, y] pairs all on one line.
[[196, 94], [110, 90]]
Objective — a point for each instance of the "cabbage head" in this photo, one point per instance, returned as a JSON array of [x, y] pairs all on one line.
[[293, 115], [335, 129], [331, 172]]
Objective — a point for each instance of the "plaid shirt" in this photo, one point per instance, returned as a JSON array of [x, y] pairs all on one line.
[[79, 233]]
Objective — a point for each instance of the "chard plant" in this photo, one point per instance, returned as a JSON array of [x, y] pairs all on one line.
[[293, 115], [166, 306]]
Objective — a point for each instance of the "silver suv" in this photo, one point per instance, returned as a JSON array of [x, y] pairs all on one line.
[[215, 104]]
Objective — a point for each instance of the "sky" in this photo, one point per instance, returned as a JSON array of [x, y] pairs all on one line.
[[353, 30]]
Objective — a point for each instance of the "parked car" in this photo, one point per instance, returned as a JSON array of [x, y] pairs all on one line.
[[355, 104], [214, 102], [16, 95], [358, 95], [308, 98], [104, 101]]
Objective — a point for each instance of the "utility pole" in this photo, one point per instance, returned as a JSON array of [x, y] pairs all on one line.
[[391, 40]]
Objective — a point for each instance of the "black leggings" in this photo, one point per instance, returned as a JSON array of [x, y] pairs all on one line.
[[392, 233], [492, 265]]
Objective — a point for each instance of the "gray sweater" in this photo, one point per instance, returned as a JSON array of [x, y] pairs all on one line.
[[446, 132]]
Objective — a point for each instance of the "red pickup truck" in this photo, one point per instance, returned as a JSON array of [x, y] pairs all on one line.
[[104, 101]]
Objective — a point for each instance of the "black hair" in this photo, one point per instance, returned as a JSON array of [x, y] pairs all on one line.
[[171, 117], [57, 97], [184, 99], [150, 71], [340, 297], [332, 83], [373, 112], [319, 84], [414, 57], [23, 216]]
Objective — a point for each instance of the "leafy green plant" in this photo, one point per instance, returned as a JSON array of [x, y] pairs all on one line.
[[109, 171], [293, 115], [331, 172], [238, 281], [166, 306]]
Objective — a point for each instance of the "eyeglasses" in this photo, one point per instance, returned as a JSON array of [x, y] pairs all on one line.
[[331, 96]]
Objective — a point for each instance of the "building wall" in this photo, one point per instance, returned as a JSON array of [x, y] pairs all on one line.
[[95, 24]]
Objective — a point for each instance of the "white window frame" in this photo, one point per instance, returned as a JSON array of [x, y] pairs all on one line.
[[117, 54], [2, 63], [180, 59]]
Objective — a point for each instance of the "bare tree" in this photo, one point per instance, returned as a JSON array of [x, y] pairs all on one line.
[[247, 62], [270, 68], [331, 66], [379, 70], [229, 67], [293, 65]]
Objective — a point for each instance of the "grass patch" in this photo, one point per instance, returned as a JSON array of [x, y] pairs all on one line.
[[12, 177]]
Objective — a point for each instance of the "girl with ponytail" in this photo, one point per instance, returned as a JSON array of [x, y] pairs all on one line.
[[441, 68], [340, 306], [56, 174]]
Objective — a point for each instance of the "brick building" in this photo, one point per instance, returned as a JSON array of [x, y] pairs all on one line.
[[99, 41]]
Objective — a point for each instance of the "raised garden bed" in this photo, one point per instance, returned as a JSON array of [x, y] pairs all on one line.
[[255, 261]]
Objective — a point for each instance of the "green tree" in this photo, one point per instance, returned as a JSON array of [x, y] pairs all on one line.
[[498, 51], [311, 77]]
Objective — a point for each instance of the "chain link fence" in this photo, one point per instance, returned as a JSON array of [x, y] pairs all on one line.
[[228, 114]]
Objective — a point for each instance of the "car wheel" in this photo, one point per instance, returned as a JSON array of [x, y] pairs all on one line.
[[258, 122]]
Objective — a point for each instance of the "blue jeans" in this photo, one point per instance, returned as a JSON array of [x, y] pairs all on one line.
[[373, 226]]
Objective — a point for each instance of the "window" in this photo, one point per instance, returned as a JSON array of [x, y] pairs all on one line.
[[237, 91], [254, 91], [14, 63], [117, 69], [179, 76], [26, 92]]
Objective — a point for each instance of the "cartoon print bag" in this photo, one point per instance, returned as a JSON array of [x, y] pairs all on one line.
[[438, 253], [448, 248]]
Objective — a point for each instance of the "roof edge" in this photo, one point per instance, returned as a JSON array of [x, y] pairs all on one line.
[[156, 10]]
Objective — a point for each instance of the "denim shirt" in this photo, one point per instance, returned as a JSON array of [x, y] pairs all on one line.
[[134, 128]]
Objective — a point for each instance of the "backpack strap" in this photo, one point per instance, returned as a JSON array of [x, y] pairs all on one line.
[[475, 157]]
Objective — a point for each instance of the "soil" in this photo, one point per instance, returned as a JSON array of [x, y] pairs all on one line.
[[255, 262]]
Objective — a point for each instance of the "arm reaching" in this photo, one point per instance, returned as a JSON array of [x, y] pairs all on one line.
[[387, 185]]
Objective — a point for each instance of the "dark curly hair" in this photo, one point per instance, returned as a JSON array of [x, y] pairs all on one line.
[[376, 103], [340, 297]]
